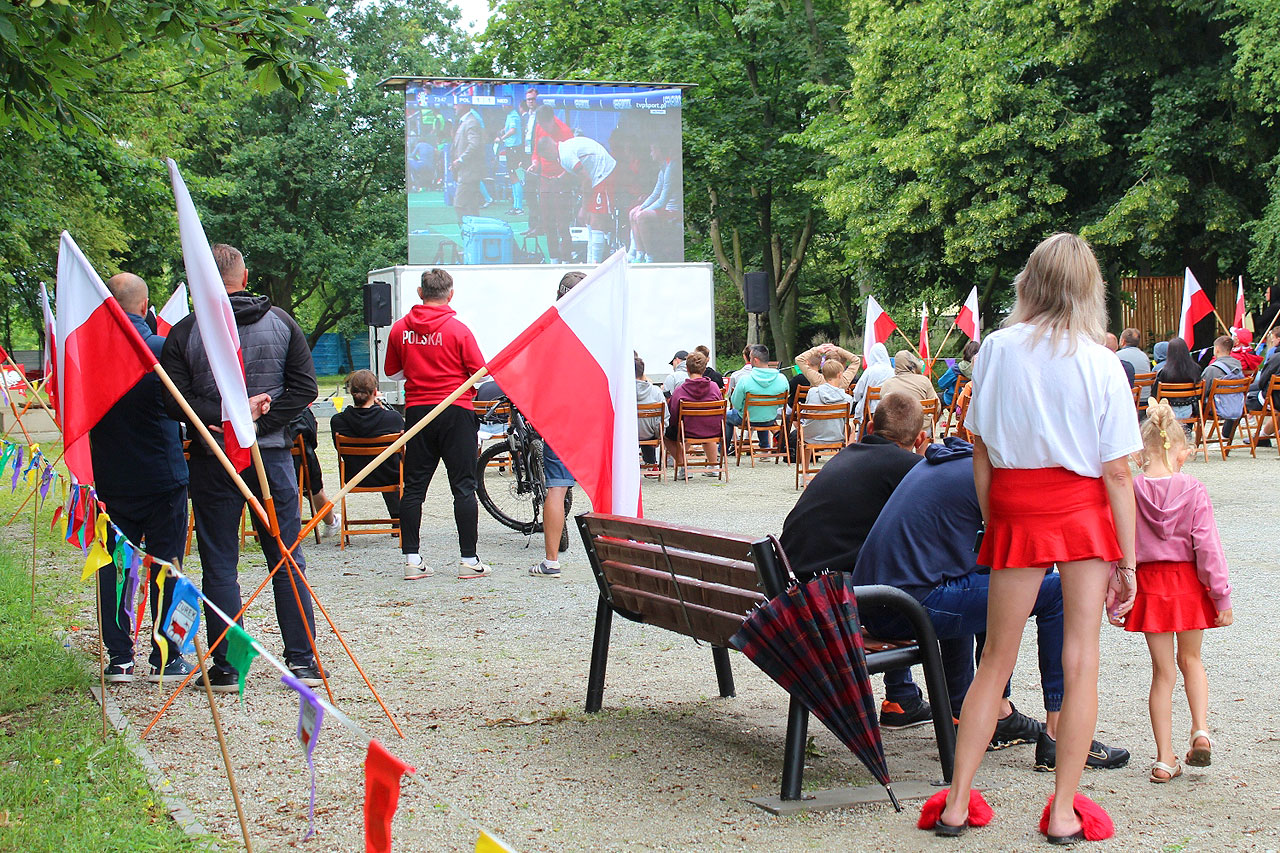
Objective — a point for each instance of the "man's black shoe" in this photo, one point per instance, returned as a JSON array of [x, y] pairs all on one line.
[[219, 681], [1101, 756], [1015, 729], [895, 716], [308, 674], [118, 672]]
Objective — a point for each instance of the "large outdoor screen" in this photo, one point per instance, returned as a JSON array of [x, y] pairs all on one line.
[[520, 172]]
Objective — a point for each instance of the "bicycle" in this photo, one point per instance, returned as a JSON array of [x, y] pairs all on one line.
[[510, 481]]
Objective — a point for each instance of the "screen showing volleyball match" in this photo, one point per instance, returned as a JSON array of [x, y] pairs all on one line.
[[531, 173]]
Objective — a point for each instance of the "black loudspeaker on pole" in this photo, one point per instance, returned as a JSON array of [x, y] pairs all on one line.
[[377, 303], [755, 291]]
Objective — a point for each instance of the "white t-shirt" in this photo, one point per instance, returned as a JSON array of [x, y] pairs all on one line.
[[595, 159], [1035, 406]]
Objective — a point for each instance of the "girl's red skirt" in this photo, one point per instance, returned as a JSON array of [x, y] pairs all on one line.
[[1042, 516], [1170, 598]]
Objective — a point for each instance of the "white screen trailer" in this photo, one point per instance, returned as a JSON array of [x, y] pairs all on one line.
[[672, 308]]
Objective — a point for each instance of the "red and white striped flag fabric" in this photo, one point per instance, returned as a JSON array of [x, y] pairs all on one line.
[[217, 324], [100, 355], [879, 327], [968, 320], [1195, 307], [1238, 321], [924, 334], [173, 311], [50, 348], [587, 414]]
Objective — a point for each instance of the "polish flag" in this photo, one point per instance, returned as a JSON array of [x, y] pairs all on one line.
[[968, 319], [217, 324], [173, 311], [99, 353], [924, 335], [879, 327], [50, 349], [588, 414], [1238, 321], [1195, 307]]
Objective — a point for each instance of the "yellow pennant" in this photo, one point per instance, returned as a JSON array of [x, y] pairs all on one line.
[[487, 843], [155, 630], [98, 554]]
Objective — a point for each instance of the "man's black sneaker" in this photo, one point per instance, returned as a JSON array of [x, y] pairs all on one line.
[[1101, 756], [896, 716], [176, 668], [1015, 729], [219, 682], [118, 672], [308, 674]]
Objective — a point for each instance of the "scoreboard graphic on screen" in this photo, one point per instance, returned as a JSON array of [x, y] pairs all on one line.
[[511, 172]]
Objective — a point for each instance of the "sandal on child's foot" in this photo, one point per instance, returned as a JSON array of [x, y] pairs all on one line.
[[1200, 756], [1170, 771], [946, 830]]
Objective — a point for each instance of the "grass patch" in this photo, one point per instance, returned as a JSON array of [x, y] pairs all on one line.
[[61, 787]]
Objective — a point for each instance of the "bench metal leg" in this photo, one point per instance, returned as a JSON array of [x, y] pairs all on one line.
[[793, 752], [599, 656], [724, 673], [944, 728]]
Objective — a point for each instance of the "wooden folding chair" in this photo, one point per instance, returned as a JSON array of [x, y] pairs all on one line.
[[645, 411], [1140, 381], [930, 408], [950, 424], [1219, 425], [492, 412], [1268, 411], [963, 398], [807, 451], [873, 396], [364, 450], [747, 437], [1183, 394], [1136, 392], [710, 408]]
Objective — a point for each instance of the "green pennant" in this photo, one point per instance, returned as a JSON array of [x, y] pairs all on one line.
[[240, 654], [121, 558], [8, 454]]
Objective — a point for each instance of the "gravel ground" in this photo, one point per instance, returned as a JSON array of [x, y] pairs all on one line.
[[487, 679]]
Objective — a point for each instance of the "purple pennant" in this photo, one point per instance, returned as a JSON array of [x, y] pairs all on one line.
[[310, 716], [131, 583], [46, 480], [17, 467]]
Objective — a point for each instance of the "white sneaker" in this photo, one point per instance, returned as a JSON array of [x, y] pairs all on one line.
[[328, 530], [467, 571], [415, 569]]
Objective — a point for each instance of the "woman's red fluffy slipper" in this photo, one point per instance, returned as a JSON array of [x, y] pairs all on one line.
[[980, 813], [1095, 822]]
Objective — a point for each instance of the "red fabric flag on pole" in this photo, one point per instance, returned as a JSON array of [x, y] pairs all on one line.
[[100, 355], [217, 324], [588, 414], [924, 334], [1195, 307], [968, 320], [1238, 321], [879, 327], [50, 349], [173, 311], [382, 772]]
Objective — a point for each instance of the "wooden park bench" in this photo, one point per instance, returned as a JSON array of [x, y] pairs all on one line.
[[704, 583]]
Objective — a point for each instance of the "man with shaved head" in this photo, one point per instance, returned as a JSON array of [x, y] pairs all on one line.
[[141, 476]]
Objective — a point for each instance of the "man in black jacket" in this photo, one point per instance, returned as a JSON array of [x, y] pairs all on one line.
[[140, 475], [281, 382], [829, 524]]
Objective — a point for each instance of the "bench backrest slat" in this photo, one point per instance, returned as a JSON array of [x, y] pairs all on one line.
[[710, 542], [733, 573], [715, 596], [691, 620]]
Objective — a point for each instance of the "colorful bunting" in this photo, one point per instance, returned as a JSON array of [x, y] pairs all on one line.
[[161, 643], [98, 554], [382, 772], [120, 556], [240, 653], [183, 619], [310, 716], [487, 843]]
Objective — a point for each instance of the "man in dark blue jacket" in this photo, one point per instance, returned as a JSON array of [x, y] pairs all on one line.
[[925, 543], [140, 475]]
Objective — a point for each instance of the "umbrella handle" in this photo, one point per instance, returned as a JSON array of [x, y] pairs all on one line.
[[782, 558], [675, 582]]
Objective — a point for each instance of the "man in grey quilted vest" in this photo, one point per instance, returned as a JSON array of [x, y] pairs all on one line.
[[281, 381]]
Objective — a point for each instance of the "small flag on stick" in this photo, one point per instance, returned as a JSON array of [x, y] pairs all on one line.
[[382, 772]]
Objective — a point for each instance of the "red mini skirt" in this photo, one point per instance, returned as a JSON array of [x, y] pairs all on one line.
[[1170, 598], [1043, 516]]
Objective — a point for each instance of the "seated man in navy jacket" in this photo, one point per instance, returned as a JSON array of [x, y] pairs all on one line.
[[925, 543]]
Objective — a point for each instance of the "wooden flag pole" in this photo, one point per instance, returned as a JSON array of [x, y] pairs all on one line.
[[222, 744], [38, 398], [910, 343], [942, 345], [35, 551], [102, 671], [34, 491], [16, 418], [1222, 322]]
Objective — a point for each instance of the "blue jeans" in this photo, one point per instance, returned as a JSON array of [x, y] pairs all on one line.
[[958, 611]]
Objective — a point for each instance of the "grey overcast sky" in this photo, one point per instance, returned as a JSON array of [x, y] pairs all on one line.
[[474, 13]]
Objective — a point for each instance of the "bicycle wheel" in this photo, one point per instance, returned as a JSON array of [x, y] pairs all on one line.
[[507, 497]]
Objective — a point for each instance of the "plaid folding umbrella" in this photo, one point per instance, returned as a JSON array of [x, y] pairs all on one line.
[[808, 640]]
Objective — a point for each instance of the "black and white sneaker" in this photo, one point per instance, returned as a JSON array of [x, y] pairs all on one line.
[[118, 672], [308, 674], [219, 682], [1015, 729], [897, 716], [176, 668], [1101, 756]]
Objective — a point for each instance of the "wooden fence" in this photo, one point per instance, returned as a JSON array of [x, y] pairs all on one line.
[[1158, 304]]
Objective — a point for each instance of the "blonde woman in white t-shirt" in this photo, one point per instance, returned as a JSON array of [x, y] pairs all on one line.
[[1053, 424]]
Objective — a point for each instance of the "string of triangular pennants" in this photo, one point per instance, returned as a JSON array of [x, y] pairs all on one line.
[[81, 520]]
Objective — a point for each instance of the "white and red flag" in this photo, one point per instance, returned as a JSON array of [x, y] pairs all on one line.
[[1195, 307], [968, 319], [588, 414], [924, 334], [1238, 321], [50, 348], [217, 324], [879, 327], [100, 355], [173, 311]]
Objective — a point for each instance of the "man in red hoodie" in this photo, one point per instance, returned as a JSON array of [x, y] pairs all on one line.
[[433, 352]]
